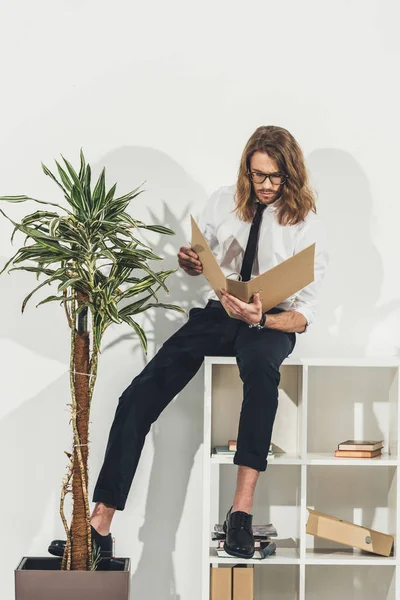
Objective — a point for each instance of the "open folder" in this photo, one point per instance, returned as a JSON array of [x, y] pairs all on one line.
[[275, 285]]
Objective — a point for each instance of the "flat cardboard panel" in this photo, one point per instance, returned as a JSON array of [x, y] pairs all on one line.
[[243, 583], [344, 532], [275, 285], [221, 583]]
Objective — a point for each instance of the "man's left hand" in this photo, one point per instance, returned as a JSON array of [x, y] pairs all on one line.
[[249, 313]]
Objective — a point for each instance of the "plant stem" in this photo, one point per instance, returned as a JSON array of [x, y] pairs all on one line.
[[80, 526], [66, 561]]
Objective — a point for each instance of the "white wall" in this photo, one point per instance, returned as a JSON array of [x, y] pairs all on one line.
[[169, 92]]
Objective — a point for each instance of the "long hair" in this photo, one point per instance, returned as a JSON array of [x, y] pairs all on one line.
[[296, 199]]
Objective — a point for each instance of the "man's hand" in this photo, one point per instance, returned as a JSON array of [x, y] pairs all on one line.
[[249, 313], [189, 261]]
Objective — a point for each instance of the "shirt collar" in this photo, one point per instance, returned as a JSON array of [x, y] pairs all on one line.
[[270, 207]]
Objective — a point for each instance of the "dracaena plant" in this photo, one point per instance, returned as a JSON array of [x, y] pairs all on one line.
[[91, 252]]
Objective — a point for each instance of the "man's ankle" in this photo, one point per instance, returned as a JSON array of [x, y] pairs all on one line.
[[101, 518], [100, 527], [243, 507]]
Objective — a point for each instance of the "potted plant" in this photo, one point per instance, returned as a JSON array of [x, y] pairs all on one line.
[[73, 248]]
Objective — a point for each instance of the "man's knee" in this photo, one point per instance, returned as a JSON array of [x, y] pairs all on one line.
[[259, 366]]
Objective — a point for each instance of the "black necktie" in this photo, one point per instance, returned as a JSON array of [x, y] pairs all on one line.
[[250, 251]]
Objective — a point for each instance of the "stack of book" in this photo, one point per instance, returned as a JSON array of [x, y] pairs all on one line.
[[359, 449], [264, 546], [230, 449]]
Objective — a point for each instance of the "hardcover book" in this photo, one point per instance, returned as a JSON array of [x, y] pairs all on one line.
[[361, 445], [357, 453]]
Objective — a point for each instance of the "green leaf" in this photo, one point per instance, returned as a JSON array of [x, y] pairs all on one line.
[[167, 306], [25, 198], [47, 281], [8, 262], [112, 312], [145, 254], [158, 229], [39, 214], [138, 288], [77, 199], [110, 194], [86, 188], [83, 165], [98, 329], [69, 283], [42, 239], [99, 191], [54, 299], [133, 308], [54, 178], [73, 174], [36, 252], [34, 270], [130, 195], [53, 225], [85, 305], [64, 177], [156, 277], [136, 327]]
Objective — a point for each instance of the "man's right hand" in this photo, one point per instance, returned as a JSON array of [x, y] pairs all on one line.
[[189, 261]]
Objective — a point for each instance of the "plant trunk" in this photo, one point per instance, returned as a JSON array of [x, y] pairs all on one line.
[[79, 524]]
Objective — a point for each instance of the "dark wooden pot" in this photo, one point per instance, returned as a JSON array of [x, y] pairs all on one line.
[[42, 579]]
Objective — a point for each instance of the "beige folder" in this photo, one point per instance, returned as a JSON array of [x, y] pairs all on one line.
[[275, 285], [243, 583], [221, 583]]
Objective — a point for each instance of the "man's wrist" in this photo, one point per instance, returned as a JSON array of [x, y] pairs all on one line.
[[261, 323]]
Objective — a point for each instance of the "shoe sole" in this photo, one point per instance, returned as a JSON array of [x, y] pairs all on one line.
[[59, 551], [55, 550], [237, 554]]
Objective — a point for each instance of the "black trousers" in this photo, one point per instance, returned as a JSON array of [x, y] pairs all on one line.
[[208, 331]]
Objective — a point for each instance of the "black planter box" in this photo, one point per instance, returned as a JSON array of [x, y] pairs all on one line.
[[42, 579]]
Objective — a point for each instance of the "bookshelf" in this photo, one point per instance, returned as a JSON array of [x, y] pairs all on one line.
[[321, 403]]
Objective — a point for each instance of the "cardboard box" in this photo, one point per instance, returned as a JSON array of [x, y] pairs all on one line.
[[344, 532], [243, 583], [221, 583]]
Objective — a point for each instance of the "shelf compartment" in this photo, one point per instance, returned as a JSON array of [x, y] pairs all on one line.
[[276, 500], [355, 581], [352, 403], [366, 497]]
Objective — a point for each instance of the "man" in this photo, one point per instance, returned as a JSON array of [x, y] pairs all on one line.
[[273, 207]]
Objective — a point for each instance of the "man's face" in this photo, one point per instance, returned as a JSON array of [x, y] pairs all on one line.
[[262, 164]]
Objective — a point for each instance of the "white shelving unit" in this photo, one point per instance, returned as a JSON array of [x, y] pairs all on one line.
[[321, 403]]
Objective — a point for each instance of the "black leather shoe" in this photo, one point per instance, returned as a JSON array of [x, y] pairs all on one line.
[[239, 540], [104, 542]]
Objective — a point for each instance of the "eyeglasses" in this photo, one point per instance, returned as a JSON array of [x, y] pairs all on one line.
[[275, 178]]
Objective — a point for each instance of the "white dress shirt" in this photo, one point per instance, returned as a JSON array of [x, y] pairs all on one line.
[[227, 237]]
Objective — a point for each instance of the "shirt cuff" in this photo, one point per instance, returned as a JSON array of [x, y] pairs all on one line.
[[307, 314]]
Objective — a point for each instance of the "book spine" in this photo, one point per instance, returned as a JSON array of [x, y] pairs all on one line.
[[356, 454], [359, 447], [257, 543]]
